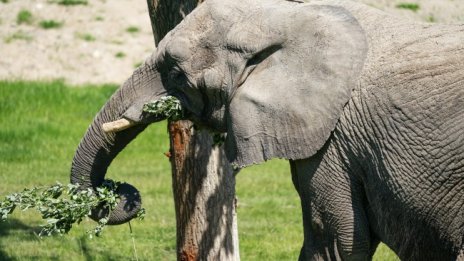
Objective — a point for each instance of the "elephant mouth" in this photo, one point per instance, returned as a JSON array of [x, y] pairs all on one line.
[[166, 107]]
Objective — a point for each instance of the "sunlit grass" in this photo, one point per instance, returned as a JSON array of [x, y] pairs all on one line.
[[42, 124], [24, 17]]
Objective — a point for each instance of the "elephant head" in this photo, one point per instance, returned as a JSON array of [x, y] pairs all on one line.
[[273, 75]]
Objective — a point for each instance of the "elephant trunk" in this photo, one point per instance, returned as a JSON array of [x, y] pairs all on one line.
[[98, 148]]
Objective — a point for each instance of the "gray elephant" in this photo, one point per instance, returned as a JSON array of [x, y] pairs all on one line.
[[368, 109]]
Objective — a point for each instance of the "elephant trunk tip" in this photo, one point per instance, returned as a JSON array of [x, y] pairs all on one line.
[[127, 208]]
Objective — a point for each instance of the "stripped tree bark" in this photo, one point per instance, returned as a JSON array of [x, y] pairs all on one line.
[[202, 178]]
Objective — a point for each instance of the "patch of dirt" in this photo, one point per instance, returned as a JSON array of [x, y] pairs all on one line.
[[437, 11], [103, 41]]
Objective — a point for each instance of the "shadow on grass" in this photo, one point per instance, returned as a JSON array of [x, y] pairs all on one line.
[[90, 251], [85, 248], [89, 254], [13, 226], [16, 228]]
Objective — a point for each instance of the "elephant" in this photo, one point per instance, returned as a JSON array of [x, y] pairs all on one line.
[[368, 109]]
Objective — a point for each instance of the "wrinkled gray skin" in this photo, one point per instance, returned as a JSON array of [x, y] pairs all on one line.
[[368, 109]]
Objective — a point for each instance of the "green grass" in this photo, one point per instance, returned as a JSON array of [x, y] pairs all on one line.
[[431, 19], [120, 55], [19, 35], [409, 6], [132, 29], [50, 24], [42, 124], [86, 37], [24, 17], [71, 2]]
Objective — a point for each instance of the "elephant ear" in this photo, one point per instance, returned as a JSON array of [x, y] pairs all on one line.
[[304, 62]]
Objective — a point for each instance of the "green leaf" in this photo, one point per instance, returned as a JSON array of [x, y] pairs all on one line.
[[62, 206], [166, 107]]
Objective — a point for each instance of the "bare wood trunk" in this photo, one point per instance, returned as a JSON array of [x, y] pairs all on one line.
[[204, 194], [203, 180]]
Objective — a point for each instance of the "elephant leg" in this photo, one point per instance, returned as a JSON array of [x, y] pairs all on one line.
[[334, 220]]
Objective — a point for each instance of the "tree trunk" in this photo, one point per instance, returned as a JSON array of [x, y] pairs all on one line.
[[203, 180]]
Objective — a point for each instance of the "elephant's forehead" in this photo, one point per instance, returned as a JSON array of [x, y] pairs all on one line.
[[212, 16], [187, 35], [202, 31], [179, 48], [197, 23]]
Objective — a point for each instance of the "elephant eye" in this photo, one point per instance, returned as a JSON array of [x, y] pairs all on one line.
[[177, 78], [256, 60], [263, 55]]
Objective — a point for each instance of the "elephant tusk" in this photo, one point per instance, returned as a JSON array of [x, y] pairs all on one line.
[[118, 125]]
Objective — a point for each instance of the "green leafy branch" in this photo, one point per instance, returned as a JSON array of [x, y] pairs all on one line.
[[62, 206], [167, 107]]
